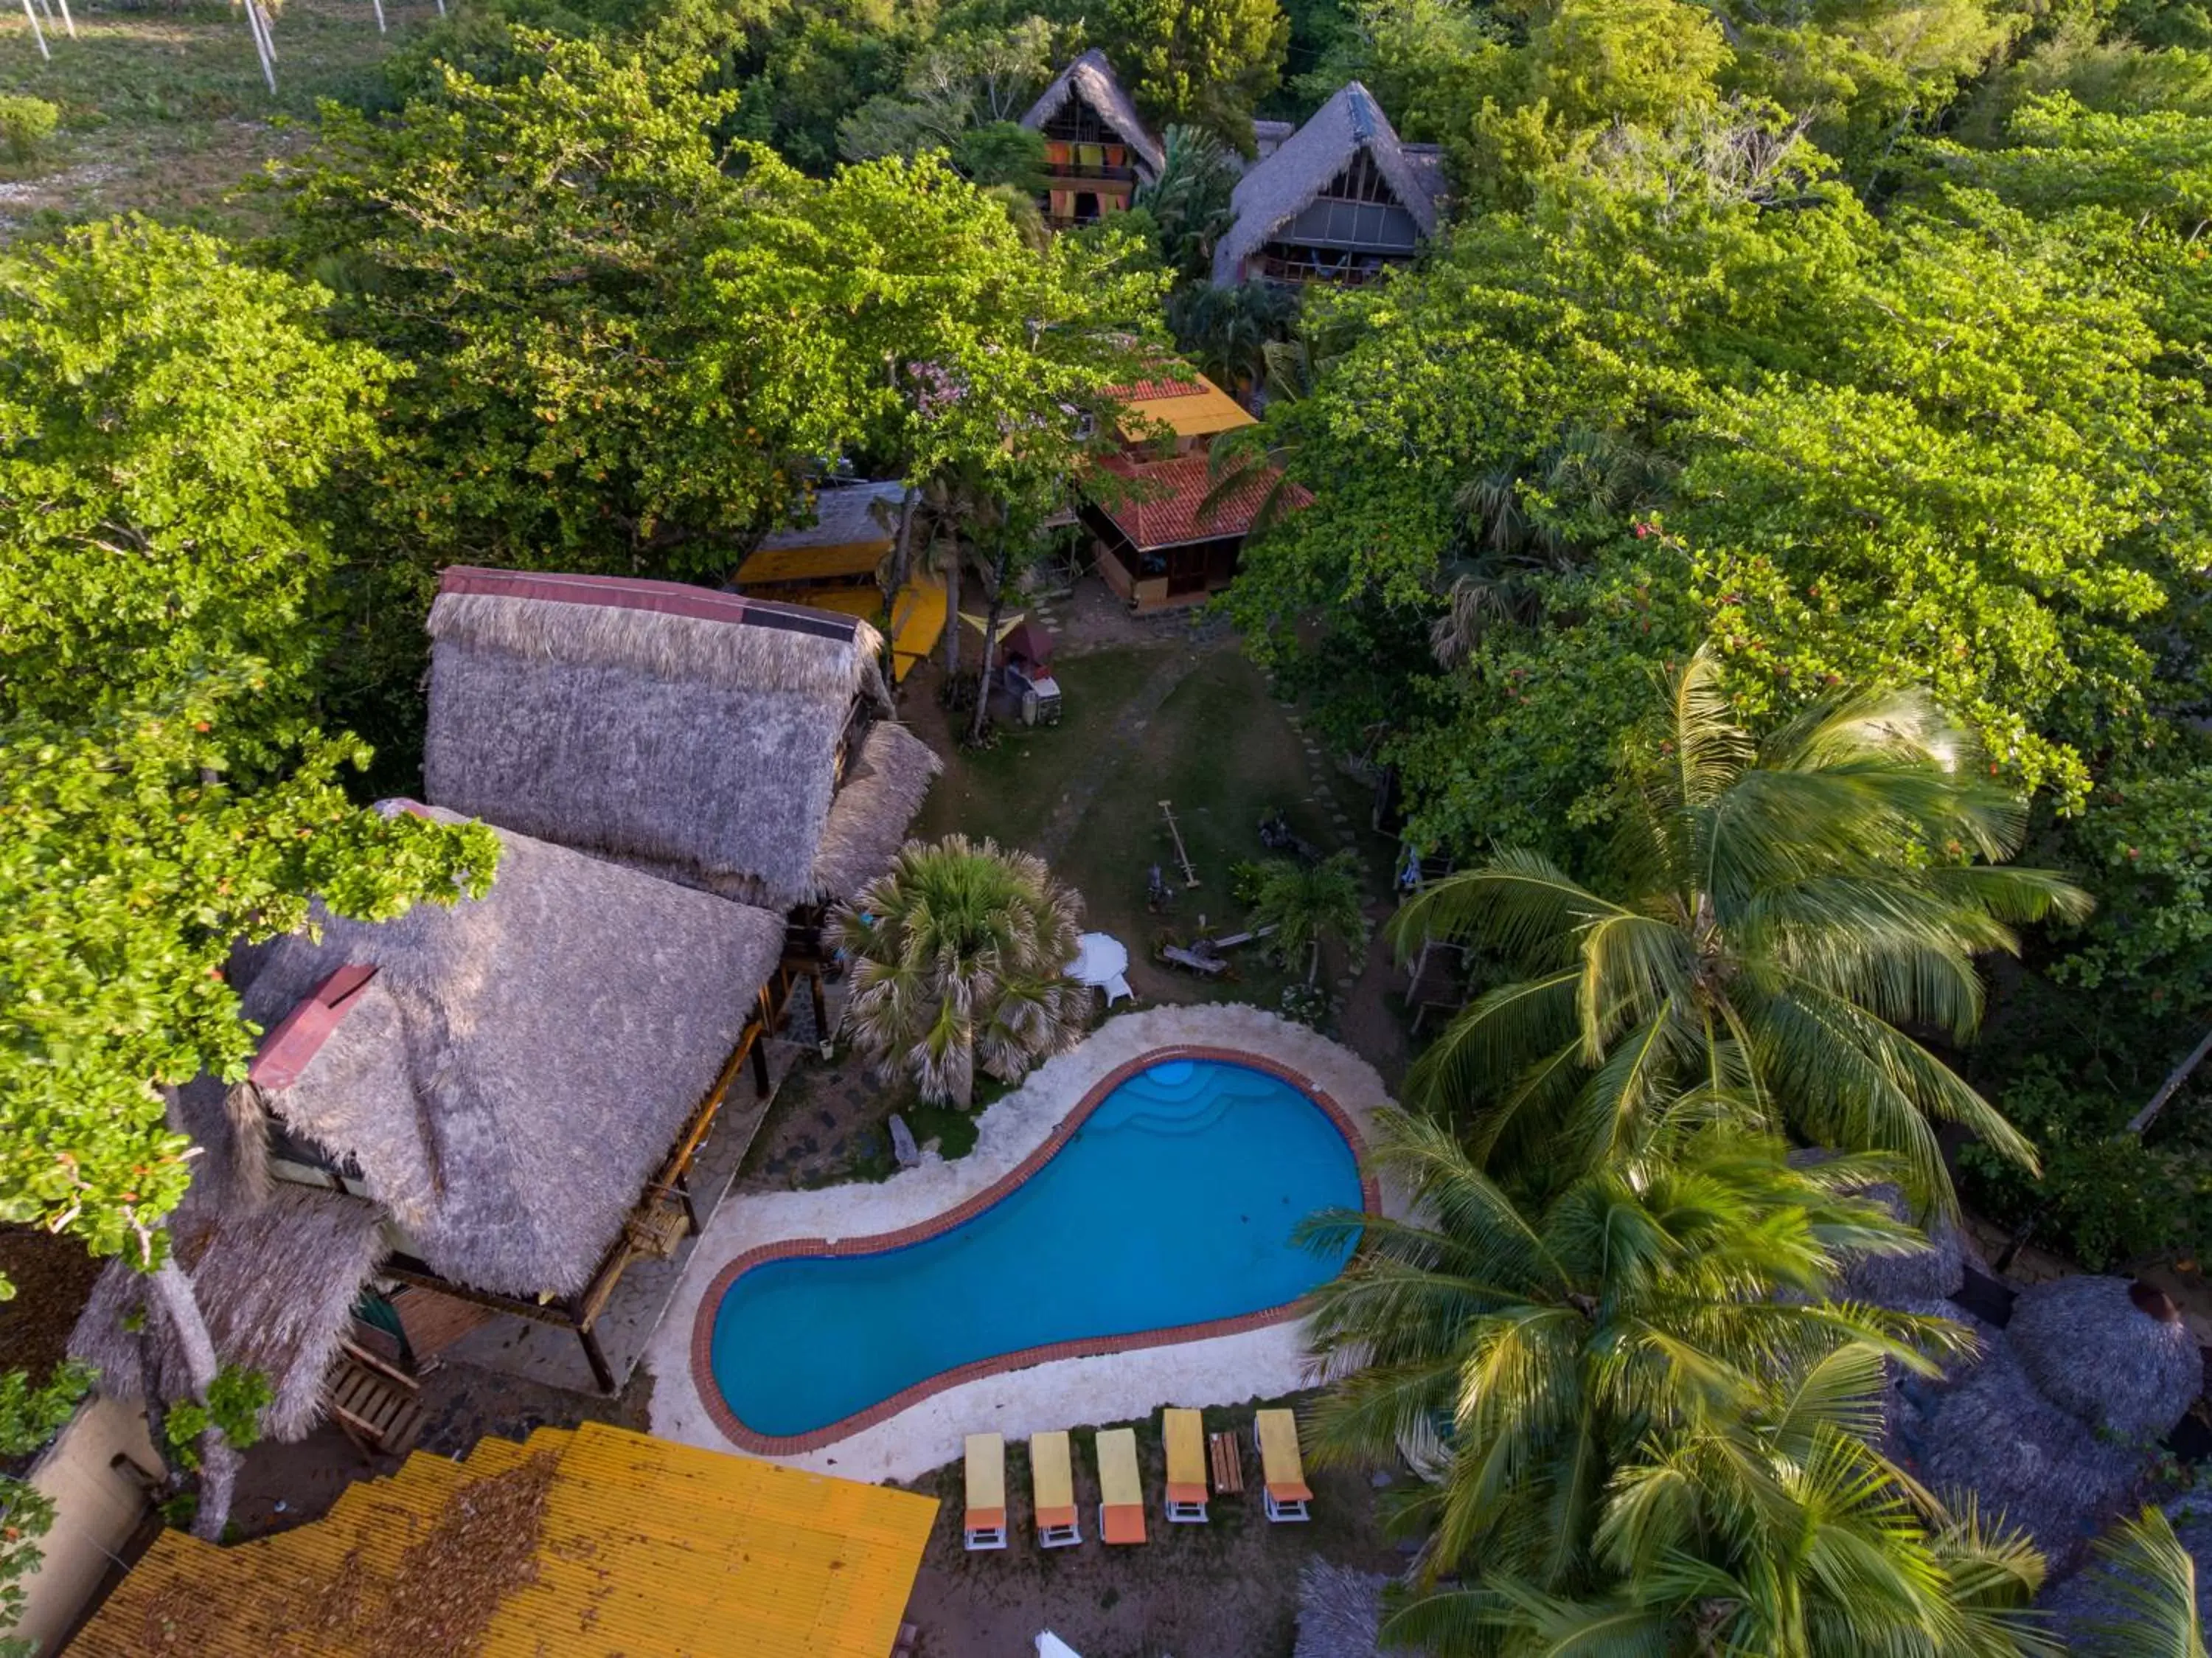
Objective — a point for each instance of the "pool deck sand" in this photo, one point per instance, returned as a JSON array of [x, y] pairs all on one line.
[[1257, 1363]]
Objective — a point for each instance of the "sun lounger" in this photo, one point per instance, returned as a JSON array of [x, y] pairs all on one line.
[[986, 1491], [1052, 1483], [1186, 1443], [1283, 1471], [1121, 1512]]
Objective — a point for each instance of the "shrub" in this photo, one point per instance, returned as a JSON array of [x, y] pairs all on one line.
[[25, 124]]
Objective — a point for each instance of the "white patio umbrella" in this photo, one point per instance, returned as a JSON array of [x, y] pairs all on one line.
[[1102, 959], [1049, 1645]]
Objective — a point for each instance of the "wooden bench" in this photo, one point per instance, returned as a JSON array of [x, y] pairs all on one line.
[[1207, 966], [379, 1405], [1228, 1465]]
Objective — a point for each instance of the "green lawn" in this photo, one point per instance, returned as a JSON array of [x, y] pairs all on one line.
[[164, 110]]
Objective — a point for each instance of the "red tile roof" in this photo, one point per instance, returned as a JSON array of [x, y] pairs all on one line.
[[1145, 391], [1162, 510]]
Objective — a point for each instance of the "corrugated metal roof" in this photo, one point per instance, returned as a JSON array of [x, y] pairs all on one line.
[[646, 1547], [1190, 405]]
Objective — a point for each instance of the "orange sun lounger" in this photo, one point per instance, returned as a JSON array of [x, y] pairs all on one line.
[[1121, 1512], [1052, 1483], [1186, 1443], [1282, 1469], [986, 1491]]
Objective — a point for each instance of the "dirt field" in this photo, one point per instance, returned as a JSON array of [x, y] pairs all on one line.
[[1226, 1589]]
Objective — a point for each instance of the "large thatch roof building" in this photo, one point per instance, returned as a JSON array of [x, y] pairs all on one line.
[[727, 742], [1341, 200], [474, 1097], [1097, 148]]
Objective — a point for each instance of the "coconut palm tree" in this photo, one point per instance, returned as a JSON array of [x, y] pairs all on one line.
[[1785, 912], [1189, 200], [2142, 1596], [1648, 1427], [1310, 904], [959, 954]]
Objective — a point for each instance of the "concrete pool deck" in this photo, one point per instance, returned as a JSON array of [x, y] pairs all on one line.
[[1223, 1370]]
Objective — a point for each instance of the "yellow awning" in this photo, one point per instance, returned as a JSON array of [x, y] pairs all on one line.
[[772, 566], [1196, 408], [646, 1545]]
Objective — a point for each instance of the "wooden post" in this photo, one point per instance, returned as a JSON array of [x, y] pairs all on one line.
[[821, 1036], [595, 1356], [684, 1194], [37, 34], [766, 1018], [68, 22], [379, 5]]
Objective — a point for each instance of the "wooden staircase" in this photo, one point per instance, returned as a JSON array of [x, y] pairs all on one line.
[[379, 1404]]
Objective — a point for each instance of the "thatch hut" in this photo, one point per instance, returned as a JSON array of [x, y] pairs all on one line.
[[2112, 1353], [1097, 148], [1339, 1611], [727, 742], [477, 1098], [1341, 200]]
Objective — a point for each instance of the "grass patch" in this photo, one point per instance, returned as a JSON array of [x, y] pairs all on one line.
[[164, 111], [1009, 792]]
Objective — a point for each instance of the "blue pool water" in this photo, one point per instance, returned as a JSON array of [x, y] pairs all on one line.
[[1172, 1204]]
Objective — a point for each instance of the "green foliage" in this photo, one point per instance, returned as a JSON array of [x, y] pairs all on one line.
[[1189, 200], [130, 867], [1646, 1421], [163, 412], [1205, 62], [235, 1400], [1785, 913], [25, 125], [1311, 904], [1644, 62], [959, 956], [2145, 1595]]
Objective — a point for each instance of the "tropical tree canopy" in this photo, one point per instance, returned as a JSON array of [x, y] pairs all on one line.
[[959, 957], [1787, 911], [1308, 904], [1649, 1429]]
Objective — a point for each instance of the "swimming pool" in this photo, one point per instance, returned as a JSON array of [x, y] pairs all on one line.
[[1172, 1205]]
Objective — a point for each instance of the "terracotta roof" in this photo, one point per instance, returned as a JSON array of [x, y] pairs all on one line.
[[1145, 391], [1163, 510], [642, 1546]]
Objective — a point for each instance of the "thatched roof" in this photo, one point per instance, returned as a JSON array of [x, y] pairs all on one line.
[[518, 1065], [1091, 78], [277, 1281], [690, 734], [1339, 1611], [2091, 1351], [885, 778], [1273, 191], [1993, 1436]]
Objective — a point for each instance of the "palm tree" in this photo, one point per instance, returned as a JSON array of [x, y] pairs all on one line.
[[2145, 1595], [1649, 1425], [960, 954], [1307, 903], [1785, 908], [1189, 200]]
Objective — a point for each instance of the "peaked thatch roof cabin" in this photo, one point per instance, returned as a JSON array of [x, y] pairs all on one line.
[[1341, 199], [730, 743], [477, 1098], [1097, 147]]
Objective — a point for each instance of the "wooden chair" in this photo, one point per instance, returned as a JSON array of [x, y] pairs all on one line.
[[378, 1405]]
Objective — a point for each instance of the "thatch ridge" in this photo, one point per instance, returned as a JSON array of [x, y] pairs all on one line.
[[277, 1281], [670, 647], [521, 1064], [885, 782], [2091, 1351], [1093, 76], [1273, 191]]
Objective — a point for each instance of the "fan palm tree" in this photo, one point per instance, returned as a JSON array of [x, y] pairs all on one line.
[[1308, 904], [959, 954], [1649, 1424], [1786, 912]]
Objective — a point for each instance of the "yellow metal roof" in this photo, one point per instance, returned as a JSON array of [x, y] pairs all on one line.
[[646, 1547], [771, 566], [917, 619], [1190, 405]]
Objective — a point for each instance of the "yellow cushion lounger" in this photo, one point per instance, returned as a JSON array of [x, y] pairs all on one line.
[[1186, 1440], [1276, 1433], [986, 1491], [1052, 1483], [1121, 1514]]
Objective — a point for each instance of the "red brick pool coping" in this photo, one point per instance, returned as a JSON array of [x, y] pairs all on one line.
[[702, 1330]]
